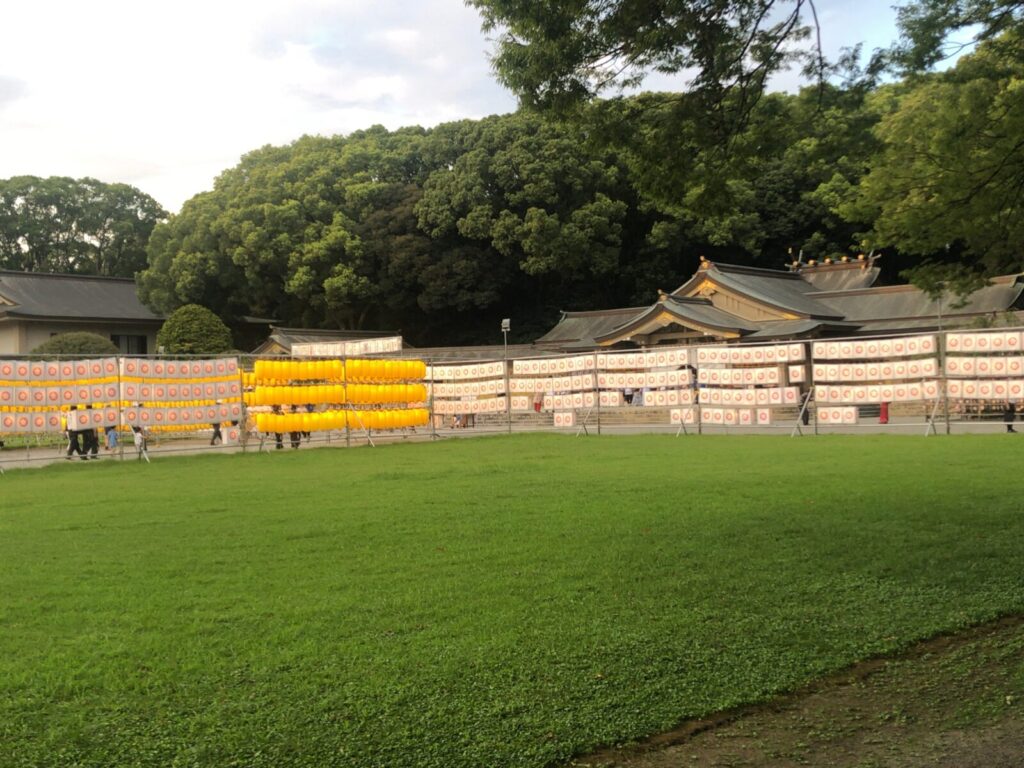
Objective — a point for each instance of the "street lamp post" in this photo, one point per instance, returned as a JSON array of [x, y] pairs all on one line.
[[506, 326]]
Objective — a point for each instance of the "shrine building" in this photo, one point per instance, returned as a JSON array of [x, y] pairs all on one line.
[[726, 302]]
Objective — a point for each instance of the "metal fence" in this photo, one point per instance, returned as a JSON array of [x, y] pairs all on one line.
[[935, 383]]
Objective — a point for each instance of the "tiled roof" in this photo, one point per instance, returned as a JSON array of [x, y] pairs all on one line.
[[905, 301], [284, 338], [79, 297], [784, 290], [688, 311], [582, 328]]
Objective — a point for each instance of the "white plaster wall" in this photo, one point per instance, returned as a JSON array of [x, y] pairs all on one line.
[[36, 333]]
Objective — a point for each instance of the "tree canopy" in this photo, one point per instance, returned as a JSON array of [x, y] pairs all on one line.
[[83, 226], [440, 232], [194, 330], [950, 173], [554, 54], [76, 343]]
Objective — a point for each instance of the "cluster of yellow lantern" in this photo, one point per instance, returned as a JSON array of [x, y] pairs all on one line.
[[298, 370], [334, 370], [319, 394], [391, 418], [321, 421], [385, 370]]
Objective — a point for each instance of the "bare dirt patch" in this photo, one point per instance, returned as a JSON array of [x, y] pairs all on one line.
[[955, 701]]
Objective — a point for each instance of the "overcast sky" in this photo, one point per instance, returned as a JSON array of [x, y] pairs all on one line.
[[164, 96]]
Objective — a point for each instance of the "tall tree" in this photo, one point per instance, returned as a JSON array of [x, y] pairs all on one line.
[[927, 29], [950, 175], [85, 226], [554, 54]]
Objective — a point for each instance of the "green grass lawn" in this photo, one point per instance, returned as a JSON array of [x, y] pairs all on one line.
[[505, 601]]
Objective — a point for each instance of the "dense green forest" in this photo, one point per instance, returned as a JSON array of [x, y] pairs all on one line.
[[580, 201]]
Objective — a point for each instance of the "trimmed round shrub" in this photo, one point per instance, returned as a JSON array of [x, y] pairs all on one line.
[[194, 330], [76, 343]]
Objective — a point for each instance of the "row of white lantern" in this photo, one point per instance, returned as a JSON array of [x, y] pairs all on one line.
[[179, 369], [603, 361], [985, 366], [683, 416], [878, 393], [740, 417], [739, 377], [752, 354], [904, 369], [466, 388], [564, 419], [484, 405], [752, 396], [58, 371], [985, 389], [83, 394], [984, 341], [465, 371], [838, 415], [655, 398], [109, 368], [872, 349], [679, 378], [577, 383]]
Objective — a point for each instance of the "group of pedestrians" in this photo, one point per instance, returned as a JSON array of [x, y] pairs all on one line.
[[294, 437], [83, 442], [86, 442]]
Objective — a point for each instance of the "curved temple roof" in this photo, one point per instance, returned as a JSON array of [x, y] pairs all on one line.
[[731, 301]]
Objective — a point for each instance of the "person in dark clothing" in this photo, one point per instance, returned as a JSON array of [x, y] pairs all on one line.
[[805, 410], [296, 437], [278, 441], [74, 444], [217, 436], [309, 409], [90, 442], [1010, 415]]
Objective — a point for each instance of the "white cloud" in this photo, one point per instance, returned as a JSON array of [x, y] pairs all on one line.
[[166, 96]]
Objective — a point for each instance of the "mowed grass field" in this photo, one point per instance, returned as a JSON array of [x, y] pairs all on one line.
[[505, 601]]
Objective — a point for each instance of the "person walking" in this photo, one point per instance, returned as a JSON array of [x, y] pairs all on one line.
[[90, 444], [1010, 415], [74, 439], [295, 436], [278, 437]]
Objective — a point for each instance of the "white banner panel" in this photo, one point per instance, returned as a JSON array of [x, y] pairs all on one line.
[[837, 415], [866, 349], [576, 383], [565, 419], [465, 371], [644, 380], [683, 416], [463, 389], [658, 358], [984, 341], [751, 354], [348, 348]]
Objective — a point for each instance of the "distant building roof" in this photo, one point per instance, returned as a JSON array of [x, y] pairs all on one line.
[[584, 327], [34, 295], [786, 291], [905, 301], [281, 340], [729, 301]]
